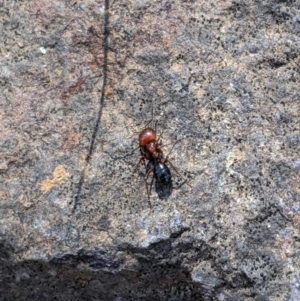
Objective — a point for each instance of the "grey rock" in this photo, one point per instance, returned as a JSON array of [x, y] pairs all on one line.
[[79, 81]]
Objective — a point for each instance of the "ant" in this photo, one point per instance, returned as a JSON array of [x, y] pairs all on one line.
[[151, 151]]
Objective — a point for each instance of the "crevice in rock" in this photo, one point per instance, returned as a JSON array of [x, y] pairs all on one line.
[[101, 104]]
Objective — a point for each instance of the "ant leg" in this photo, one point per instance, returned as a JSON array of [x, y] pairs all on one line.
[[167, 161], [151, 184], [171, 148], [140, 160], [135, 149], [161, 146], [146, 178]]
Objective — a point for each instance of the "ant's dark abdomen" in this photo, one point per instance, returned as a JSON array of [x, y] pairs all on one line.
[[162, 173]]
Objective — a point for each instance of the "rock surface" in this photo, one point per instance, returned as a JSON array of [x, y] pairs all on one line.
[[78, 82]]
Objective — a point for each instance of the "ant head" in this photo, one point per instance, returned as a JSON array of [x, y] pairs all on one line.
[[146, 136]]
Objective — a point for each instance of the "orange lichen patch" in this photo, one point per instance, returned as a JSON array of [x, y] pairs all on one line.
[[59, 175], [107, 92]]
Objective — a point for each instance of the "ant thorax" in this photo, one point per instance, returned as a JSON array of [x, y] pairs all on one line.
[[152, 147], [154, 150], [157, 155]]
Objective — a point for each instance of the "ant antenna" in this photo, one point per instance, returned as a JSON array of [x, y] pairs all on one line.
[[151, 120], [152, 112]]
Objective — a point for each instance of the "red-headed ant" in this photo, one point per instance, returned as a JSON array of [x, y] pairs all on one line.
[[151, 151]]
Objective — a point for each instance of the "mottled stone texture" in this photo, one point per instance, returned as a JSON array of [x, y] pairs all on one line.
[[78, 81]]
